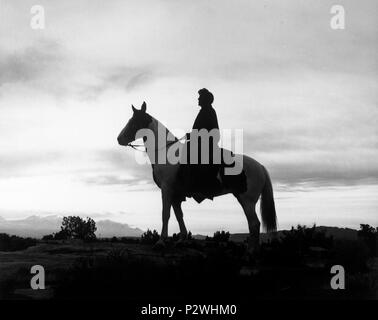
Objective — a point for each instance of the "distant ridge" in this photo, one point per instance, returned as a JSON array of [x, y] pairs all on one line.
[[335, 232], [108, 228], [37, 227]]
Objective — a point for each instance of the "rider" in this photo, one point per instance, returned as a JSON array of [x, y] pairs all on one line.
[[203, 176]]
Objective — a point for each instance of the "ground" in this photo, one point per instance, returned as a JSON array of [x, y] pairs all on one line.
[[199, 268]]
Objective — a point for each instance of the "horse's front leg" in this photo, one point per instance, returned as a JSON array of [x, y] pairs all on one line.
[[166, 212]]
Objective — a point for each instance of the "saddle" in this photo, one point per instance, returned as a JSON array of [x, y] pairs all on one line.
[[213, 184], [237, 182]]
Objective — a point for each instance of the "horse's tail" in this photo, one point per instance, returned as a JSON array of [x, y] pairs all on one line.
[[267, 207]]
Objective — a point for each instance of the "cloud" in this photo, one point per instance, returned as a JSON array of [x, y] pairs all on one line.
[[117, 180], [304, 93], [19, 164], [319, 172], [296, 156], [117, 167], [31, 63], [47, 67], [128, 78], [119, 77]]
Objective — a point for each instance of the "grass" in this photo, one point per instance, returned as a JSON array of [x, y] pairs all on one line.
[[296, 265]]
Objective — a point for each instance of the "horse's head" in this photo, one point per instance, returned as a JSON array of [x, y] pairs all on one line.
[[140, 120]]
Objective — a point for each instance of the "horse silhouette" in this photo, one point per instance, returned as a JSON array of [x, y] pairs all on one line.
[[165, 175]]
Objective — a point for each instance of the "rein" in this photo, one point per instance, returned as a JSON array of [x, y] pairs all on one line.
[[136, 146]]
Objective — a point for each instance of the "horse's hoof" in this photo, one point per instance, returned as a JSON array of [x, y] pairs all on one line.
[[159, 245]]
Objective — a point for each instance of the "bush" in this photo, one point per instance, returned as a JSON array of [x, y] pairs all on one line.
[[14, 243], [149, 237], [302, 238], [292, 248], [61, 235], [48, 237], [176, 236], [77, 228], [369, 236], [221, 236]]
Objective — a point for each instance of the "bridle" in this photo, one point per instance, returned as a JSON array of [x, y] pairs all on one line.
[[136, 146]]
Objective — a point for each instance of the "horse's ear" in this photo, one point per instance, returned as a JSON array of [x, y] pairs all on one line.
[[132, 107], [144, 107]]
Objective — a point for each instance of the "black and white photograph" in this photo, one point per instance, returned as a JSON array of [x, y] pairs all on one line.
[[188, 158]]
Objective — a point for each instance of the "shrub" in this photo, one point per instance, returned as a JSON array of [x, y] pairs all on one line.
[[48, 237], [149, 237], [61, 235], [77, 228], [14, 243], [369, 236], [302, 238], [292, 248], [221, 236], [176, 236]]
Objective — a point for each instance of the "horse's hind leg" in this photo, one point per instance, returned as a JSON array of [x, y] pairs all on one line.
[[253, 222], [180, 219]]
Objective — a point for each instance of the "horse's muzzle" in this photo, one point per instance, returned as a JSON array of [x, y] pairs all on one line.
[[121, 141]]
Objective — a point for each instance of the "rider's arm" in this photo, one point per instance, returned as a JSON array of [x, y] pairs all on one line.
[[205, 120]]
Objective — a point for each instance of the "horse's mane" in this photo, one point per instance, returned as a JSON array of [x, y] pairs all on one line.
[[158, 123]]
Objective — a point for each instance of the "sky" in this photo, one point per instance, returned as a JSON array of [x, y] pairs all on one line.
[[304, 94]]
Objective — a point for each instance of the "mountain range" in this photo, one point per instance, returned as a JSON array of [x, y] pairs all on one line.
[[335, 232], [37, 227]]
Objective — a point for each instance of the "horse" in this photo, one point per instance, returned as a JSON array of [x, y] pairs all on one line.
[[165, 175]]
